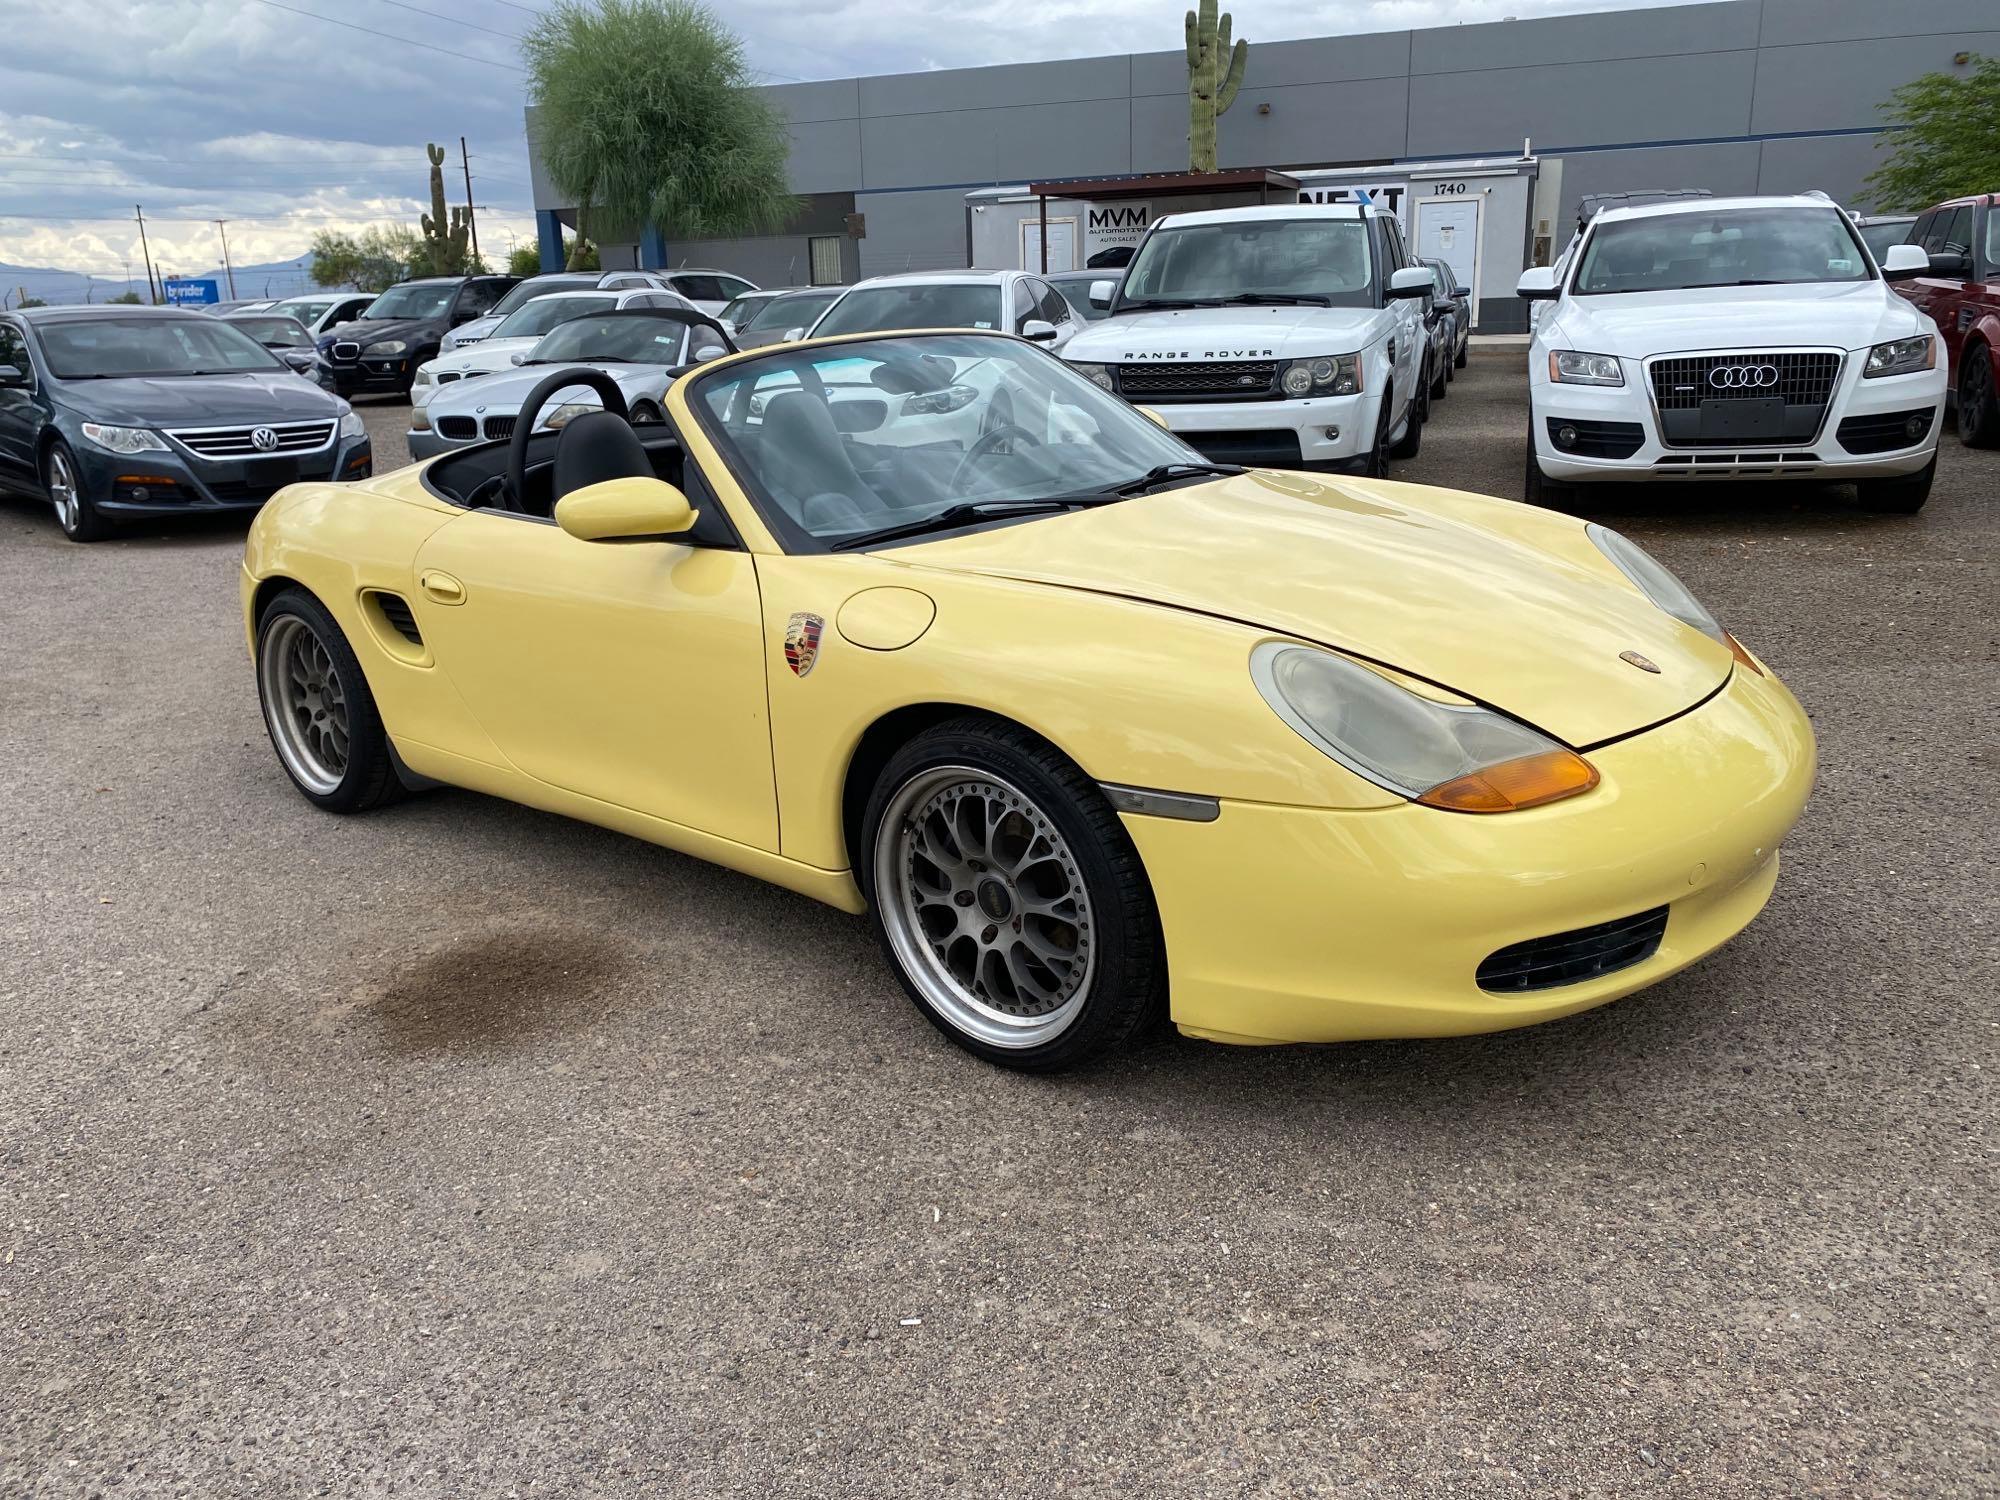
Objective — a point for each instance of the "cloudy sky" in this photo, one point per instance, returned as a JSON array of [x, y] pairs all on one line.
[[287, 116]]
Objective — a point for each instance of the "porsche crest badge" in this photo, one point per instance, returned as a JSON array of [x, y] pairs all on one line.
[[802, 642], [1643, 663]]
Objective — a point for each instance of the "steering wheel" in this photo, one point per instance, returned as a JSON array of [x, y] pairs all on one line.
[[531, 411], [984, 444]]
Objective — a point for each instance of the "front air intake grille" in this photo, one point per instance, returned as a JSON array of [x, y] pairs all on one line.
[[345, 350], [243, 442], [446, 377], [1683, 382], [1596, 439], [1572, 957], [458, 429], [500, 427], [1219, 380], [396, 610], [1885, 431]]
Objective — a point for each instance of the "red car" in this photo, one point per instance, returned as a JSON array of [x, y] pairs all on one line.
[[1961, 292]]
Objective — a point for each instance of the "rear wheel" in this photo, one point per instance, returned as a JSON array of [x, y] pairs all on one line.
[[1440, 379], [1009, 898], [1412, 441], [1464, 351], [321, 717], [64, 483], [1902, 496], [1978, 403]]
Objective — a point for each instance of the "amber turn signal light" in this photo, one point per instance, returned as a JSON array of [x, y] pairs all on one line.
[[1511, 785], [1738, 650]]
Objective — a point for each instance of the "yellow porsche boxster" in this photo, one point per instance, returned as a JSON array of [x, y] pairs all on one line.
[[929, 626]]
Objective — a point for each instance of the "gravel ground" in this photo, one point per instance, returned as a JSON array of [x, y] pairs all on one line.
[[461, 1150]]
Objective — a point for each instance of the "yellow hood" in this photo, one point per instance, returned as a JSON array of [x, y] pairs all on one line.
[[1508, 605]]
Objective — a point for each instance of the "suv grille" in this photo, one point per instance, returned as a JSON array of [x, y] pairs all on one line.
[[1226, 380], [1683, 382], [1572, 957], [238, 442], [345, 349], [458, 429]]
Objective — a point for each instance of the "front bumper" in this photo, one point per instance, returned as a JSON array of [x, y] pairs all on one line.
[[1291, 924], [1276, 434], [427, 444], [1825, 458], [172, 484], [364, 376]]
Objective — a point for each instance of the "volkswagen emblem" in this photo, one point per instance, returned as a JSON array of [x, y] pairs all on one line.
[[1743, 377], [1643, 663], [263, 439]]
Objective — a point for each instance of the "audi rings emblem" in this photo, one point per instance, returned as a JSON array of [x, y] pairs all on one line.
[[1743, 377]]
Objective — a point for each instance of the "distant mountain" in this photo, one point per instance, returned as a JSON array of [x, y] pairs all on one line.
[[60, 288]]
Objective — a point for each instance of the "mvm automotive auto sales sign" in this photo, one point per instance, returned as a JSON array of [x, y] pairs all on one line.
[[1113, 224]]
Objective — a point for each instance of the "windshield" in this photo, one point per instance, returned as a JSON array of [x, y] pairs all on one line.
[[194, 345], [305, 311], [524, 292], [837, 442], [1730, 247], [1076, 292], [1320, 261], [1879, 237], [411, 302], [538, 317], [789, 312], [640, 340], [920, 304], [287, 332]]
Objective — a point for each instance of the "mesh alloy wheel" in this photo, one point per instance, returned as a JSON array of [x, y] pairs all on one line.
[[985, 906], [305, 704]]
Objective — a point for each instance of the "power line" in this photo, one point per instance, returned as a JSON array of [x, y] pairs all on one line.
[[389, 36], [512, 36]]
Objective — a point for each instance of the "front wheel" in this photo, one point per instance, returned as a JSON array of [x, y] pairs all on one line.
[[63, 480], [1901, 496], [1441, 378], [1538, 488], [1978, 403], [321, 717], [1009, 898], [1412, 441], [646, 414]]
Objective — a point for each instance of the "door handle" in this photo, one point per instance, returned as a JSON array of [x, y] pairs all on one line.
[[442, 587]]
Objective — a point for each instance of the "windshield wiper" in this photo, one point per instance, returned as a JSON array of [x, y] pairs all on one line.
[[1160, 474], [1173, 302], [1279, 299], [587, 359], [963, 514]]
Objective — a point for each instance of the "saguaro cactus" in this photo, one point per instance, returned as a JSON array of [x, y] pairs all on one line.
[[1215, 73], [444, 233]]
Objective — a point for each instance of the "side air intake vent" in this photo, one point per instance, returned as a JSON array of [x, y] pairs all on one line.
[[396, 610]]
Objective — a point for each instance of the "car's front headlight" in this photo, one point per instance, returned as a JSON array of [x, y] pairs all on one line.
[[420, 419], [1096, 374], [351, 425], [1653, 580], [567, 412], [1335, 375], [1461, 758], [1574, 367], [124, 439], [424, 376], [387, 346], [1901, 357]]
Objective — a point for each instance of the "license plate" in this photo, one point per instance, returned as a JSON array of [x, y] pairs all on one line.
[[1759, 419], [270, 473]]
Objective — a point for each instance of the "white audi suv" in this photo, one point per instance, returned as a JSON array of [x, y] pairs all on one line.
[[1732, 338]]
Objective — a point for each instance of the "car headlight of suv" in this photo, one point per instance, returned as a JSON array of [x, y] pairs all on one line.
[[1653, 580], [1574, 367], [1334, 375], [351, 425], [1096, 374], [387, 346], [1458, 757], [124, 439], [1901, 357]]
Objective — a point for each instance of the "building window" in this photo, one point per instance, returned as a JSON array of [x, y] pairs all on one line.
[[824, 251]]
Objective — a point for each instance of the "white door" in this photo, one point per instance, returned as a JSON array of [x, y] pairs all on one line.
[[1448, 230], [1062, 245]]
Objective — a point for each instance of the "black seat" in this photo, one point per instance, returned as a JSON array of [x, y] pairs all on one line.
[[594, 447], [804, 455]]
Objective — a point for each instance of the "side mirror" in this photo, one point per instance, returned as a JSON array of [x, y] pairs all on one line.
[[706, 352], [1461, 291], [1537, 284], [515, 359], [1038, 331], [624, 510], [11, 375], [793, 335], [1101, 293], [1411, 281], [1152, 416], [1901, 262]]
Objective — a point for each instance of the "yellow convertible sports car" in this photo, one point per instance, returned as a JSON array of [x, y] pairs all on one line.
[[929, 626]]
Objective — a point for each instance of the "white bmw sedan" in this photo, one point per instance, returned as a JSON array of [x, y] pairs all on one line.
[[1732, 338]]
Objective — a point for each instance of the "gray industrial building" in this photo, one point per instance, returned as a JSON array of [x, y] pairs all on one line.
[[897, 172]]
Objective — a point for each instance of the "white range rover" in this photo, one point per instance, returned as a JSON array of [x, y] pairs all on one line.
[[1284, 336], [1732, 338]]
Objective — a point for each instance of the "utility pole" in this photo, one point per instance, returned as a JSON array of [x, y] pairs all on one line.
[[471, 222], [221, 228], [152, 288]]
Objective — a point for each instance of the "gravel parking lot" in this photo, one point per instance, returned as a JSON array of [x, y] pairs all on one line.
[[461, 1150]]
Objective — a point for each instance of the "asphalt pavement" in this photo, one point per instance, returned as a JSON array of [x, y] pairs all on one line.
[[459, 1150]]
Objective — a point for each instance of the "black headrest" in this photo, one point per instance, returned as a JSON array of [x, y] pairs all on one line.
[[593, 448]]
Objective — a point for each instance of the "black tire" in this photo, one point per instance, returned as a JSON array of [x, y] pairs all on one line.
[[1375, 463], [1411, 443], [367, 776], [80, 520], [1123, 985], [1902, 496], [1538, 488], [1464, 353], [1978, 402], [1441, 380], [646, 414]]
